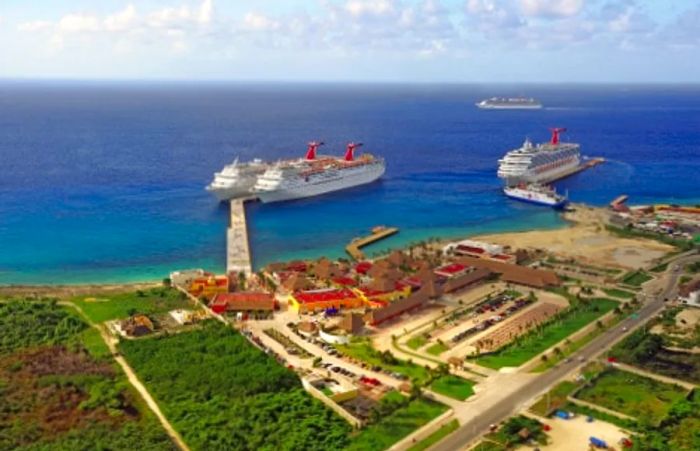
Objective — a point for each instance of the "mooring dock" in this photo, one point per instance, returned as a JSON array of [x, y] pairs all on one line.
[[378, 233], [238, 257], [580, 168]]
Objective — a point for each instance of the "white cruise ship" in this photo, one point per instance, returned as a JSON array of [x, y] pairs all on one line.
[[236, 179], [314, 176], [536, 194], [513, 103], [542, 163]]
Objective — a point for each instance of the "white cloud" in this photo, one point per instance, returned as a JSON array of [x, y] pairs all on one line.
[[121, 20], [254, 21], [78, 23], [359, 8], [562, 8], [34, 26]]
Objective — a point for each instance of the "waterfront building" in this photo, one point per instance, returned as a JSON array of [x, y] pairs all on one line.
[[330, 298], [246, 302]]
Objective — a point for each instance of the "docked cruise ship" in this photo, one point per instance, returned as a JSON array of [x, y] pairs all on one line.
[[511, 103], [236, 179], [314, 175], [540, 163]]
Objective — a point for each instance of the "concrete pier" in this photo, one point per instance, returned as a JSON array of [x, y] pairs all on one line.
[[378, 233], [238, 257]]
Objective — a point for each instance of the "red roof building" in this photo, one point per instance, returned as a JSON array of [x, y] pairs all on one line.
[[242, 302]]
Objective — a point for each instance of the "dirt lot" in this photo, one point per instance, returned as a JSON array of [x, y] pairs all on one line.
[[586, 240], [574, 434]]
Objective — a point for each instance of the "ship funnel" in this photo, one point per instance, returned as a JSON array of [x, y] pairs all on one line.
[[311, 150], [555, 135], [350, 151]]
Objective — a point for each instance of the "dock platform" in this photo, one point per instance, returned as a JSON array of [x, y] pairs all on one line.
[[580, 168], [238, 257], [378, 233]]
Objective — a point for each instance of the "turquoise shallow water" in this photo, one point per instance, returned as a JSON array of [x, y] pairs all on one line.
[[105, 182]]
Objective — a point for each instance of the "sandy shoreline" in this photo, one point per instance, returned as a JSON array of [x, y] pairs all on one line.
[[67, 291]]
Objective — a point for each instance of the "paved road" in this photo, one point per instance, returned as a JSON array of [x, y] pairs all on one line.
[[502, 409]]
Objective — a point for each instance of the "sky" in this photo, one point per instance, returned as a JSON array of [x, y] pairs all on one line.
[[353, 40]]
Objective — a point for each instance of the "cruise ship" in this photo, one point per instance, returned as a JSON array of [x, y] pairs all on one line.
[[540, 163], [536, 194], [236, 179], [512, 103], [314, 175]]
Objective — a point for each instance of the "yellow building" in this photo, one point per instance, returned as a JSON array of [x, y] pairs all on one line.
[[209, 286], [316, 300]]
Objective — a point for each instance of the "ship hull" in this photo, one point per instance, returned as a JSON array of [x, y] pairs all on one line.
[[532, 198], [509, 107], [241, 188], [541, 177], [320, 187]]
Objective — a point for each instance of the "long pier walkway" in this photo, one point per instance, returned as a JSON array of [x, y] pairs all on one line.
[[238, 257], [378, 233]]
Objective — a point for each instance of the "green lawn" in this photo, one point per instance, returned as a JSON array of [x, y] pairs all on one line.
[[453, 386], [554, 399], [444, 431], [660, 267], [534, 343], [416, 341], [636, 278], [615, 292], [121, 305], [437, 349], [364, 351], [397, 425], [632, 394]]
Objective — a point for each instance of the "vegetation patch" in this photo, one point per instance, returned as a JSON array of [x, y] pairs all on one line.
[[616, 292], [659, 268], [362, 349], [525, 347], [647, 350], [401, 422], [417, 341], [444, 431], [221, 392], [121, 305], [636, 278], [631, 394], [512, 433], [555, 399], [60, 392], [437, 349], [679, 431], [453, 386]]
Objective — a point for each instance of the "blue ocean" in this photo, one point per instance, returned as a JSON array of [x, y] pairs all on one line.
[[104, 182]]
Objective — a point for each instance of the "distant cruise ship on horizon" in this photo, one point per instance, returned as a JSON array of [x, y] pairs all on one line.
[[539, 164], [512, 103], [312, 175]]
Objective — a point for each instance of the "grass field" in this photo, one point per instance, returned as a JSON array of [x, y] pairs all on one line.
[[121, 305], [555, 399], [453, 386], [636, 278], [397, 425], [616, 292], [632, 394], [532, 344], [437, 349], [444, 431], [416, 341], [364, 351]]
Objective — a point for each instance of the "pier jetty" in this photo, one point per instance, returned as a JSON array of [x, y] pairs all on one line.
[[238, 258], [378, 233], [580, 168]]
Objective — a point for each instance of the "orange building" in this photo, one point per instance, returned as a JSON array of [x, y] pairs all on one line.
[[209, 286], [314, 300]]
